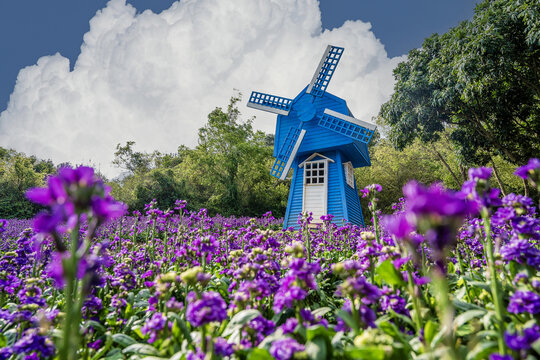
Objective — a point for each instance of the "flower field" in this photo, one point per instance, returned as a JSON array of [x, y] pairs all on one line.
[[453, 275]]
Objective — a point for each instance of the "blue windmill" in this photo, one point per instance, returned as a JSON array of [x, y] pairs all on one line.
[[320, 140]]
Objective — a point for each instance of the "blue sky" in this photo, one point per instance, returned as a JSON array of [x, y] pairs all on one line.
[[97, 73], [30, 29]]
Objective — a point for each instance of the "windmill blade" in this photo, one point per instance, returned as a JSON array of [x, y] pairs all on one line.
[[325, 70], [271, 103], [347, 125], [287, 152]]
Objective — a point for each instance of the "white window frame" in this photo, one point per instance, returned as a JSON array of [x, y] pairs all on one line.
[[349, 173], [325, 184], [308, 166]]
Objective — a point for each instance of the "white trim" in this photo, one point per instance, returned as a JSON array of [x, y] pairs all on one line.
[[267, 108], [350, 119], [318, 70], [313, 156], [293, 154]]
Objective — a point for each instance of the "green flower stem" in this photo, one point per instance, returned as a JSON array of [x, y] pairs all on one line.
[[308, 243], [494, 282], [355, 314], [446, 312], [373, 208], [462, 270], [69, 346], [203, 338], [416, 304]]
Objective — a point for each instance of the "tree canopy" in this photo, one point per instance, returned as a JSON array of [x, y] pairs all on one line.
[[480, 81]]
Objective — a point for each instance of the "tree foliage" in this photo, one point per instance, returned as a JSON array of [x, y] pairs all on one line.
[[227, 172], [19, 172], [480, 81], [393, 168]]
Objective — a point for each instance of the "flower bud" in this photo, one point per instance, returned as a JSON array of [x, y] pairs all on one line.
[[190, 275]]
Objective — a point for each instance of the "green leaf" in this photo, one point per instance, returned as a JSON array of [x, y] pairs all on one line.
[[388, 273], [141, 349], [465, 306], [316, 349], [536, 346], [464, 330], [479, 284], [320, 312], [239, 320], [402, 317], [259, 354], [319, 330], [467, 316], [96, 325], [123, 340], [138, 332], [451, 268], [430, 329], [179, 325], [345, 316], [392, 330], [482, 350], [366, 352], [178, 356], [104, 349]]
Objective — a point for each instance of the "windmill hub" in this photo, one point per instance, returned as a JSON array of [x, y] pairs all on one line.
[[305, 109]]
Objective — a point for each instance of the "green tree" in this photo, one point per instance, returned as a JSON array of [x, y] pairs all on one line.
[[18, 173], [229, 168], [480, 81], [133, 161]]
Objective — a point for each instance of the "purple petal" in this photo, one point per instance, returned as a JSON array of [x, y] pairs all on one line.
[[40, 196]]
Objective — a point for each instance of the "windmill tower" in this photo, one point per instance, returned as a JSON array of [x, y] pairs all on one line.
[[320, 140]]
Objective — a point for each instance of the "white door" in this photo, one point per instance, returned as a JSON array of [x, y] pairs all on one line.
[[315, 188]]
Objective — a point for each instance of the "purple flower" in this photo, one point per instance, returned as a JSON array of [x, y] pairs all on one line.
[[481, 173], [359, 287], [154, 325], [222, 347], [284, 349], [371, 189], [398, 225], [438, 214], [524, 302], [518, 342], [96, 344], [529, 170], [367, 317], [209, 308], [497, 356], [72, 192], [394, 302], [31, 343], [528, 226], [297, 282], [289, 326], [436, 201], [105, 208], [522, 251]]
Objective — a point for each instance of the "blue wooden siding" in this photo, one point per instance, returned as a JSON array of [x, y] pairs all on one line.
[[335, 199], [352, 199], [353, 205], [296, 194]]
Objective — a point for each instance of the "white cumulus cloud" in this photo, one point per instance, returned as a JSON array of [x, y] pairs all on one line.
[[153, 78]]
